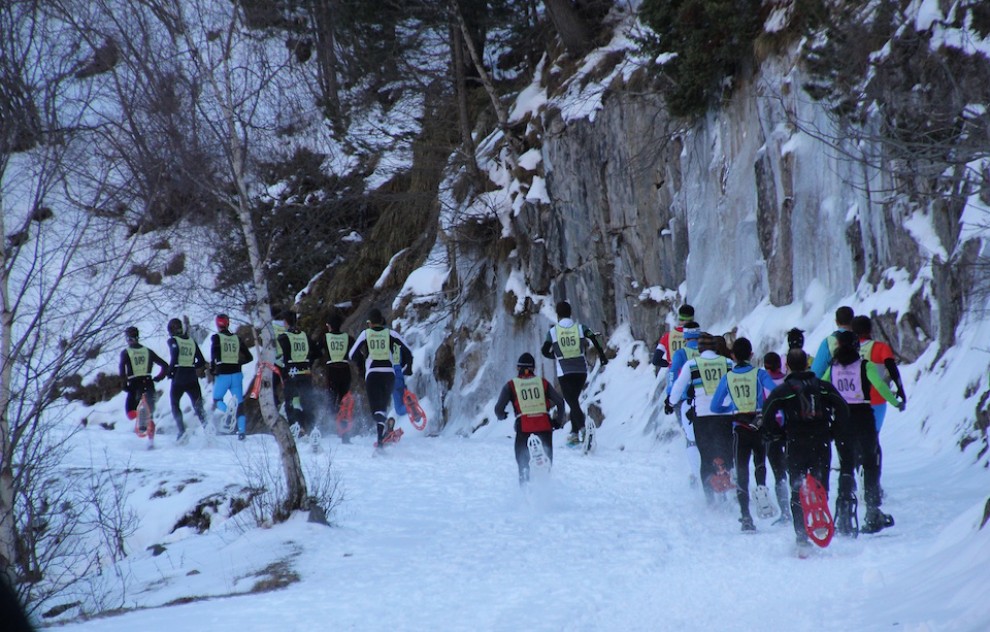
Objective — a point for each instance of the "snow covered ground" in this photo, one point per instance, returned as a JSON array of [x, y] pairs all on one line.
[[437, 535]]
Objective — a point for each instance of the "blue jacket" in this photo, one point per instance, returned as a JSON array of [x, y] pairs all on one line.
[[823, 358], [764, 382], [678, 361]]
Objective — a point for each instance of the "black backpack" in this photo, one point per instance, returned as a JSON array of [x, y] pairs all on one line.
[[814, 405]]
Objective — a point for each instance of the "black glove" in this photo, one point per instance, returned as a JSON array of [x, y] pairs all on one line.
[[127, 386], [663, 364], [558, 424], [902, 405], [407, 370], [604, 360], [900, 395], [668, 407]]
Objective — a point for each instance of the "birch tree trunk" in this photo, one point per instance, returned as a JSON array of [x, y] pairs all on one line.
[[8, 533], [237, 102]]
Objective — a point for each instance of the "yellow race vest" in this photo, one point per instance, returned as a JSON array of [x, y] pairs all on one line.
[[187, 352], [742, 389], [230, 349], [569, 341], [337, 346], [711, 373], [140, 361], [378, 344]]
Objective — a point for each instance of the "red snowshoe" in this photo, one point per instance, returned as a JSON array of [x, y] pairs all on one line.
[[721, 481], [817, 518]]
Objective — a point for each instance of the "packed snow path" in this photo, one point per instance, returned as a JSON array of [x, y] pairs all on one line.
[[437, 535]]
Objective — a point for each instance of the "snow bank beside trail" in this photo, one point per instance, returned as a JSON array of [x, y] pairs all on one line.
[[940, 587]]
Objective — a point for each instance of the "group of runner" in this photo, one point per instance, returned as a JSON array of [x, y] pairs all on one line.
[[734, 415], [732, 412], [382, 353]]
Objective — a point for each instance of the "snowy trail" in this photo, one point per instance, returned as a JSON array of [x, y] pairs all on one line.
[[437, 535]]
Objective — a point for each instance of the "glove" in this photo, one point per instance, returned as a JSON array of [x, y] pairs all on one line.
[[160, 377], [407, 370], [558, 424], [663, 363], [902, 405], [668, 407], [604, 360], [901, 396]]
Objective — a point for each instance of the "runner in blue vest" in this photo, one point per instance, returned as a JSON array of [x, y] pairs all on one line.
[[135, 370], [373, 349], [227, 353], [532, 398], [186, 362], [565, 343], [744, 387]]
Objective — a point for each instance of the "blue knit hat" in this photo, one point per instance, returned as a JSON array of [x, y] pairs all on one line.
[[692, 330]]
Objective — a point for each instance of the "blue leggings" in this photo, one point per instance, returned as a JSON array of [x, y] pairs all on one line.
[[233, 382], [879, 411]]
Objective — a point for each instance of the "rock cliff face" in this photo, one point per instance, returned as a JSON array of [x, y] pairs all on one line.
[[741, 207], [760, 201]]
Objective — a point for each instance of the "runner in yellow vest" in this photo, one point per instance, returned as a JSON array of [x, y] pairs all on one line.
[[744, 387], [696, 383], [531, 397], [135, 371], [299, 356], [335, 347], [674, 339], [565, 343], [227, 354], [186, 361], [373, 349]]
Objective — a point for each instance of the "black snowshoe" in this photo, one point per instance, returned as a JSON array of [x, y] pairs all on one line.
[[846, 516]]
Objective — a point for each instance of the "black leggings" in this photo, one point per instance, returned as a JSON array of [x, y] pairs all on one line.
[[713, 434], [806, 454], [136, 388], [190, 388], [522, 450], [379, 387], [856, 440], [570, 387], [301, 386], [338, 384], [746, 444]]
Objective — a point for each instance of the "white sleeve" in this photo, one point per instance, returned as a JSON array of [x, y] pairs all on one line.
[[357, 342]]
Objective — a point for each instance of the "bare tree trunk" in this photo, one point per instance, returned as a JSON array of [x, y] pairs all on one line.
[[8, 532], [500, 112], [324, 20], [461, 92], [571, 27]]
